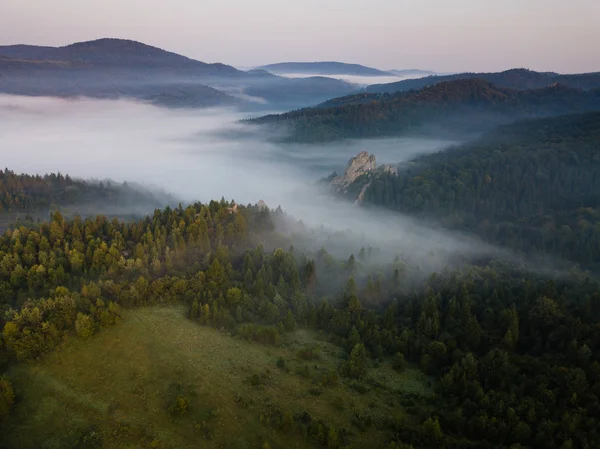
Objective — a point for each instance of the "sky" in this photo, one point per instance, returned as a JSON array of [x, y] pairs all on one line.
[[440, 35]]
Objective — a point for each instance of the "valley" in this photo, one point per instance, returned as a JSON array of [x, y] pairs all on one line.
[[303, 253]]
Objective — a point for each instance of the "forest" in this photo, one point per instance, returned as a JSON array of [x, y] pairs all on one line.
[[452, 108], [532, 187], [32, 197], [509, 353]]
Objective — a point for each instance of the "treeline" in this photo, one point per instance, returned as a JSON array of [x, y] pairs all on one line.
[[34, 193], [532, 186], [453, 107], [38, 258]]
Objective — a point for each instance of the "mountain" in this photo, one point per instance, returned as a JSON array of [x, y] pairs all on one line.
[[355, 98], [452, 108], [261, 73], [323, 68], [514, 79], [118, 53], [412, 72], [112, 68]]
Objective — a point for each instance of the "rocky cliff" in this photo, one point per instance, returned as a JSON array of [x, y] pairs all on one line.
[[358, 166]]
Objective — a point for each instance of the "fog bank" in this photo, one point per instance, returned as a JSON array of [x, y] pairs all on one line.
[[355, 79], [200, 155], [195, 154]]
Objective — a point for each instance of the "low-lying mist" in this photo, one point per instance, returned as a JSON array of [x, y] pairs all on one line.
[[199, 155], [356, 79], [192, 153]]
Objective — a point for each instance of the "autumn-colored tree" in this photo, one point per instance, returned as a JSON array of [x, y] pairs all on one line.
[[84, 325]]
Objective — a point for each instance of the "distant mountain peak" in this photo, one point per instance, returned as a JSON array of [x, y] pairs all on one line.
[[106, 41], [112, 43], [106, 49], [323, 68], [118, 53]]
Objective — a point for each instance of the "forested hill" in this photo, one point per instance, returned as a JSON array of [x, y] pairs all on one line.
[[34, 195], [324, 68], [456, 106], [113, 68], [514, 79], [121, 53], [531, 186]]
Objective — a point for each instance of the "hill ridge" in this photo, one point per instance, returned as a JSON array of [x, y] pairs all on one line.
[[515, 78], [467, 105], [324, 68], [113, 52]]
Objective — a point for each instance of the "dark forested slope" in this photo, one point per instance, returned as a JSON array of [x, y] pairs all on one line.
[[533, 185], [22, 195], [455, 106], [514, 79]]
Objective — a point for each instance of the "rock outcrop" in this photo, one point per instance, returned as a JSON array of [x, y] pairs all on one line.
[[357, 166], [389, 169], [361, 164]]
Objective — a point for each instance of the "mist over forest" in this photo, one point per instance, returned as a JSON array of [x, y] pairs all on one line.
[[189, 154], [195, 154]]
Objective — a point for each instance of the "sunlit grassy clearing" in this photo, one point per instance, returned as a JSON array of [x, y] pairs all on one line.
[[123, 380]]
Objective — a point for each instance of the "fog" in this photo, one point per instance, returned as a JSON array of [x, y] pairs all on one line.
[[200, 155], [194, 154], [355, 79]]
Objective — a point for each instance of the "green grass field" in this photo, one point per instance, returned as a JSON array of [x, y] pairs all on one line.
[[115, 390]]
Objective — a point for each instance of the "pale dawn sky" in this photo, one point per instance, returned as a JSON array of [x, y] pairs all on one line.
[[441, 35]]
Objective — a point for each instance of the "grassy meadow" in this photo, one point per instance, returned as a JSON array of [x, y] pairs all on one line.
[[159, 380]]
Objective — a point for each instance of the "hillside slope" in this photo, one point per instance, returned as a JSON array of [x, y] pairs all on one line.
[[514, 79], [531, 186], [458, 106], [110, 52], [323, 68], [111, 68], [23, 195], [412, 72], [152, 351]]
